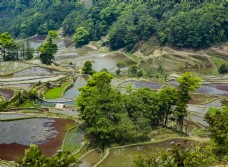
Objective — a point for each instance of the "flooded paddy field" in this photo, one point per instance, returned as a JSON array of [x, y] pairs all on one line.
[[197, 98], [11, 116], [19, 80], [68, 98], [25, 86], [213, 89], [6, 93], [139, 84], [36, 71], [73, 140], [67, 111], [90, 159], [99, 60], [199, 119], [47, 133], [215, 103], [123, 156], [10, 67], [73, 92]]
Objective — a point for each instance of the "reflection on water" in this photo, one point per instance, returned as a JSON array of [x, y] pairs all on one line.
[[215, 103], [68, 98], [139, 84], [6, 93], [73, 92], [124, 156], [27, 131], [214, 89], [34, 71], [12, 116], [91, 159], [74, 139]]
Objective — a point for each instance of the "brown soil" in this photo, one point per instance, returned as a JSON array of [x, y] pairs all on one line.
[[12, 151]]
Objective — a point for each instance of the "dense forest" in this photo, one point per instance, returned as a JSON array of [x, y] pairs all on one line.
[[179, 23]]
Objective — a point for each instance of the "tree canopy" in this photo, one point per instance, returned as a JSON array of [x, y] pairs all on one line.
[[35, 158], [127, 24], [48, 49]]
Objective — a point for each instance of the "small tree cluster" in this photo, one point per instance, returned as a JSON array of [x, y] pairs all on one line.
[[49, 48], [134, 71], [35, 158], [108, 114]]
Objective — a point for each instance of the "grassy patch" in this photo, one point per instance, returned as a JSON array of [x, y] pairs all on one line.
[[200, 132], [27, 104], [217, 61], [212, 111], [164, 133], [201, 98], [1, 99], [56, 92]]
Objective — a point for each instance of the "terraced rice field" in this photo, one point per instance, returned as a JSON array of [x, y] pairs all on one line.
[[6, 93], [47, 133], [123, 156], [12, 67]]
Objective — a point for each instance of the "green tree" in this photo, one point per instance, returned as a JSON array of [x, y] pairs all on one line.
[[142, 107], [179, 156], [223, 69], [200, 27], [35, 158], [188, 82], [101, 109], [88, 68], [219, 130], [132, 71], [81, 36], [48, 49], [119, 65], [167, 99], [6, 45], [28, 51]]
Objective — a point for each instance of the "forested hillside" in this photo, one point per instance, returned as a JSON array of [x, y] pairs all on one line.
[[179, 23]]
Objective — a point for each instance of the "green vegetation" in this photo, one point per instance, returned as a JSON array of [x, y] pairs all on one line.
[[127, 24], [212, 111], [88, 68], [178, 156], [31, 17], [9, 49], [27, 104], [217, 61], [112, 117], [48, 49], [219, 130], [2, 99], [56, 92], [188, 82], [223, 69], [81, 36], [161, 133], [119, 65], [34, 157], [199, 132], [198, 27], [205, 154]]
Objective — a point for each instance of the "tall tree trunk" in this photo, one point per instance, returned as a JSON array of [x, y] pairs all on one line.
[[167, 114]]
